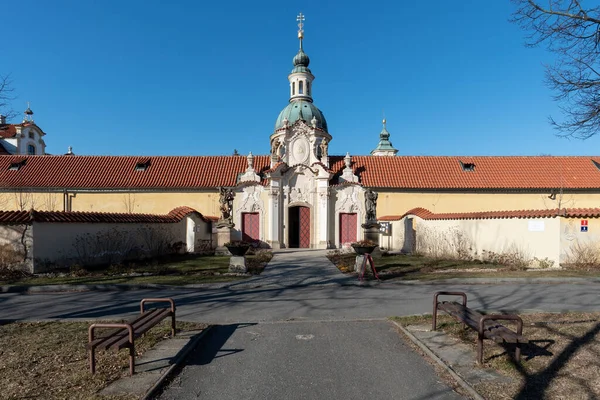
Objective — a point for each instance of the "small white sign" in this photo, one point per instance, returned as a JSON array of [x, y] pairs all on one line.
[[536, 225]]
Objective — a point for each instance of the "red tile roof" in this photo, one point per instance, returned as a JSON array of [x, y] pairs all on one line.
[[496, 172], [8, 131], [119, 172], [25, 217], [565, 212], [402, 172]]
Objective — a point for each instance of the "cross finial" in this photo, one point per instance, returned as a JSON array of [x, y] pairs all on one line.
[[300, 19]]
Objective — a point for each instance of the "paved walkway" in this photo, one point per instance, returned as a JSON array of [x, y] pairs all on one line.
[[302, 294], [353, 360], [297, 267]]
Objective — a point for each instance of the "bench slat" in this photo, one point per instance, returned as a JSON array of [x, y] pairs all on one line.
[[142, 328], [117, 336], [492, 329]]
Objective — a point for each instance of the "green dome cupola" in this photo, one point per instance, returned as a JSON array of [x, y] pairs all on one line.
[[301, 105]]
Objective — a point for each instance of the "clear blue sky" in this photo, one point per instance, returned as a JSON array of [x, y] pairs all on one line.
[[202, 78]]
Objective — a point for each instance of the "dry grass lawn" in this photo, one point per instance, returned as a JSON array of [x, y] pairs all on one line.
[[48, 360], [562, 362]]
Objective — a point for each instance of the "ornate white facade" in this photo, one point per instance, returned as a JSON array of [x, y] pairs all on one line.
[[298, 207]]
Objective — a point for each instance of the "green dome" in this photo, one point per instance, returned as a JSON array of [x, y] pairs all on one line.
[[301, 109], [301, 62], [301, 59]]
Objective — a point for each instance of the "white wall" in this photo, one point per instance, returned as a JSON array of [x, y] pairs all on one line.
[[63, 244], [531, 237]]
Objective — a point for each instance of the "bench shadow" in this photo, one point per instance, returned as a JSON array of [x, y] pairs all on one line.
[[211, 346]]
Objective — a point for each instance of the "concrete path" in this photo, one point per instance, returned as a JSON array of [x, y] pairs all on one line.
[[307, 360], [297, 267], [302, 293]]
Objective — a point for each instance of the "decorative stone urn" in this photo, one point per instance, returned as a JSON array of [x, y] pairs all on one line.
[[237, 262], [364, 247]]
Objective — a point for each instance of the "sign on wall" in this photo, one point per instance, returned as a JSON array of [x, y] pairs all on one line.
[[584, 225], [385, 228], [536, 225]]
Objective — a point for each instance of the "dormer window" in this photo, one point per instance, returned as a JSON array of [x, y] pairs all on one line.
[[142, 165], [467, 166], [15, 166], [31, 135], [31, 150]]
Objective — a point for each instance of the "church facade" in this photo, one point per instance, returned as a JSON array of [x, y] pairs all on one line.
[[298, 195]]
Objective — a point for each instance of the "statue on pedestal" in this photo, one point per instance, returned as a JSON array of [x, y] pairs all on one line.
[[226, 196], [371, 206]]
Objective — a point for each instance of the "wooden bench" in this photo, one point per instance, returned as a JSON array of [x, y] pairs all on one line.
[[125, 334], [485, 325]]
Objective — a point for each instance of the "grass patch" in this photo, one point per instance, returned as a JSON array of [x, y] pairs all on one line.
[[177, 270], [561, 362], [413, 267], [48, 360]]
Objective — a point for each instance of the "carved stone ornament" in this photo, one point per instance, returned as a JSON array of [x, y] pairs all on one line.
[[251, 201], [300, 150], [348, 200]]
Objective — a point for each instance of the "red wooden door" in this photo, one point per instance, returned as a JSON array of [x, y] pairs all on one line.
[[250, 228], [304, 227], [348, 227]]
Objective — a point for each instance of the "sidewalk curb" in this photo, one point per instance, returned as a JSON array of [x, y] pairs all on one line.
[[464, 384], [213, 286], [149, 395]]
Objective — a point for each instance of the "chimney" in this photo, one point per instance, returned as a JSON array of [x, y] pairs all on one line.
[[2, 119]]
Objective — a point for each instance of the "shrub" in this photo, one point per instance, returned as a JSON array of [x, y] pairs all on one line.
[[364, 243], [583, 256], [513, 257]]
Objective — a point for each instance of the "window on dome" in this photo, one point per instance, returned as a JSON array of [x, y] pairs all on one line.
[[293, 88], [308, 88], [31, 135], [31, 150], [300, 87]]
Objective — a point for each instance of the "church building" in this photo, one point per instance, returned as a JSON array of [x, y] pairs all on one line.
[[298, 195]]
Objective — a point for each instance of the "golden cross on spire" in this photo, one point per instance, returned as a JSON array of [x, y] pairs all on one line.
[[300, 19]]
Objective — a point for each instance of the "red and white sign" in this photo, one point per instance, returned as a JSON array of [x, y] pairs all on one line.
[[584, 222]]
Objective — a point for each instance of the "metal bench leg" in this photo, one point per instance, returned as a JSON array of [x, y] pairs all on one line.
[[93, 360], [173, 328], [131, 359], [480, 348]]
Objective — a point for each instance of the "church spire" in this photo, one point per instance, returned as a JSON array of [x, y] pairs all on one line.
[[384, 147], [300, 19], [301, 77]]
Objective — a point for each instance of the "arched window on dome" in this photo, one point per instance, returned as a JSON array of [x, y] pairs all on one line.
[[293, 88], [308, 88], [31, 150], [300, 87]]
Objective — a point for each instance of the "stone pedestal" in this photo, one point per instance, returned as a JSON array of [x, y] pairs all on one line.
[[371, 230], [358, 264], [223, 236], [237, 264]]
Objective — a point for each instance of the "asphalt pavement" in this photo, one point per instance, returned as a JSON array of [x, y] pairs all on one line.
[[302, 329]]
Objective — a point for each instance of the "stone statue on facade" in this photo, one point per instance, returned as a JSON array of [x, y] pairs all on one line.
[[371, 205], [324, 148], [226, 196]]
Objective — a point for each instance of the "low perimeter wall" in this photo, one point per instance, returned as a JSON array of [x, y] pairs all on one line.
[[486, 239]]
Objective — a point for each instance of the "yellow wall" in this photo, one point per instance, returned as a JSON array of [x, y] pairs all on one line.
[[390, 203], [206, 202]]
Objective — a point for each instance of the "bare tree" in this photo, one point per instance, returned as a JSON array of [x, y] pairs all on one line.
[[572, 32], [130, 202], [24, 201], [6, 96]]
